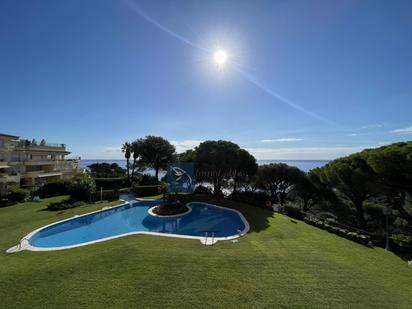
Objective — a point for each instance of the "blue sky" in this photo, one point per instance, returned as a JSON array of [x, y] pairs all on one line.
[[304, 79]]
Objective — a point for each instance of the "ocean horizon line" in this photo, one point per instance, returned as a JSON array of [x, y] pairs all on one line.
[[93, 159]]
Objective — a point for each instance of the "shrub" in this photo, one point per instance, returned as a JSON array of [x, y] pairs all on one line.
[[145, 179], [110, 183], [81, 188], [18, 194], [110, 195], [401, 243], [315, 222], [373, 210], [293, 212], [5, 203], [66, 204], [141, 191], [57, 188]]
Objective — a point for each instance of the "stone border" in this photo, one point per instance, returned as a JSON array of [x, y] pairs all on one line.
[[24, 243], [150, 211]]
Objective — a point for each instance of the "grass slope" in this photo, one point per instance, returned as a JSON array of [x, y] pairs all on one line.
[[278, 264]]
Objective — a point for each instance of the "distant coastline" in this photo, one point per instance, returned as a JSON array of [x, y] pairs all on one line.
[[304, 165]]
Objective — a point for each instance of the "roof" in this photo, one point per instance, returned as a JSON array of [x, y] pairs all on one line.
[[8, 135]]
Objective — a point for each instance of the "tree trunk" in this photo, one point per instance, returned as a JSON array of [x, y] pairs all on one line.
[[273, 194], [305, 204], [128, 171], [216, 187], [133, 167], [359, 213], [281, 198], [234, 186], [157, 174]]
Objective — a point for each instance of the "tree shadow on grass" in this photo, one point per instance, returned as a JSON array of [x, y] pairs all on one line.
[[407, 256], [257, 217]]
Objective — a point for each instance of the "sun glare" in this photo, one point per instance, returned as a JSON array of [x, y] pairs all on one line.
[[220, 57]]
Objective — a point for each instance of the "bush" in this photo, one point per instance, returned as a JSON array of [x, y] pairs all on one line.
[[294, 212], [401, 243], [315, 222], [110, 183], [81, 188], [145, 180], [5, 203], [141, 191], [61, 187], [66, 204], [110, 195], [18, 194]]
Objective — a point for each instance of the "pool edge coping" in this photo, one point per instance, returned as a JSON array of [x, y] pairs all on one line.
[[205, 240]]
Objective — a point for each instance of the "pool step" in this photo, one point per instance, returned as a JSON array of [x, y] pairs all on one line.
[[209, 239]]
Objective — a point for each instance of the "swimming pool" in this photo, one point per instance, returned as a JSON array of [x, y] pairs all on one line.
[[202, 222]]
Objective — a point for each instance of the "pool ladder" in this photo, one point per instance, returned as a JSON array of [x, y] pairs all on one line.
[[213, 238]]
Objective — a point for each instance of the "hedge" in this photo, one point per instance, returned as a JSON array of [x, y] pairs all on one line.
[[141, 191], [294, 212], [110, 195], [354, 236], [57, 188], [400, 243], [110, 183], [18, 194]]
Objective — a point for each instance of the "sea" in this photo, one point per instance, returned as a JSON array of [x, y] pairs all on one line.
[[304, 165]]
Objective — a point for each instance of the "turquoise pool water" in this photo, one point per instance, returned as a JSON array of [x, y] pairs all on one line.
[[134, 217]]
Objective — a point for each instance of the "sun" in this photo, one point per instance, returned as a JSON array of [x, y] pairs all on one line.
[[220, 57]]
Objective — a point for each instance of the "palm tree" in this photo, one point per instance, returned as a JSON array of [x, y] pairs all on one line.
[[127, 150]]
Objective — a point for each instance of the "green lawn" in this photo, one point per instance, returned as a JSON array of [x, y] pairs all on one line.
[[278, 264]]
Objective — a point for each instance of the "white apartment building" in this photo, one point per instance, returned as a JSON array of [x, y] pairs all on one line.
[[24, 163]]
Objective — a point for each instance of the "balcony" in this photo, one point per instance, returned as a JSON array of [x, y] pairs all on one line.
[[41, 162], [28, 146], [41, 173], [9, 178]]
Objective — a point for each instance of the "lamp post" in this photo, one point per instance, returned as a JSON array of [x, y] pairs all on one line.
[[387, 211]]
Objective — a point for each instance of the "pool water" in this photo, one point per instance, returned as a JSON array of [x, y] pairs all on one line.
[[134, 217]]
